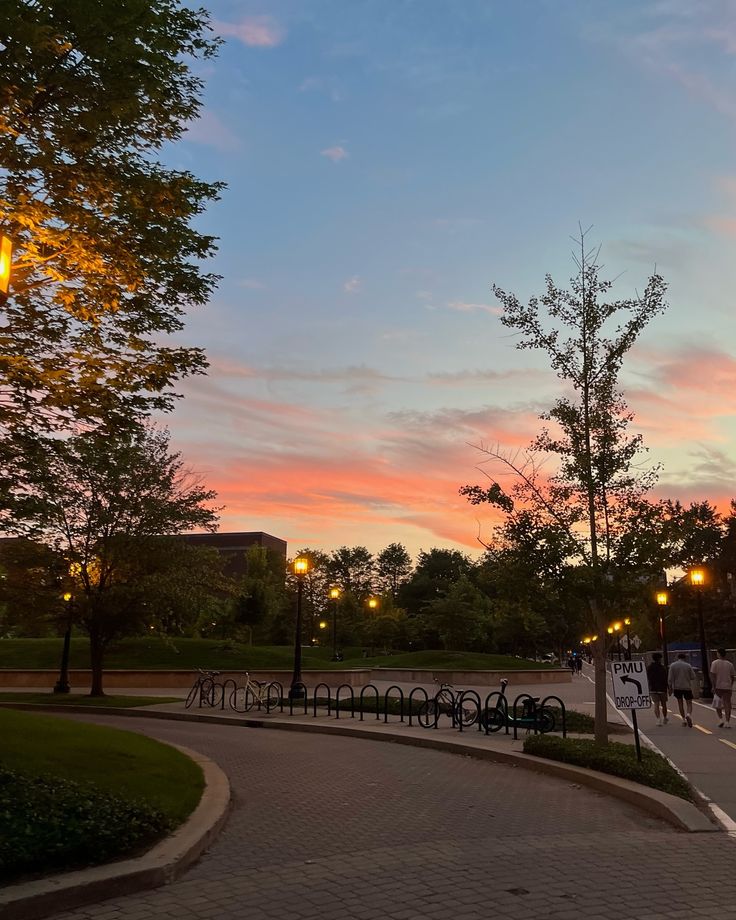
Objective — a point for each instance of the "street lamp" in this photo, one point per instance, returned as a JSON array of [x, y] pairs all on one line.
[[297, 691], [62, 684], [335, 598], [697, 580], [663, 599], [6, 259], [627, 623], [615, 629], [373, 603]]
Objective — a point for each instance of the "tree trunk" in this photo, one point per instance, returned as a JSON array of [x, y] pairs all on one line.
[[599, 662], [97, 653]]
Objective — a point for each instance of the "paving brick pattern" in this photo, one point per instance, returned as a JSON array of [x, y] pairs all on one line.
[[330, 828]]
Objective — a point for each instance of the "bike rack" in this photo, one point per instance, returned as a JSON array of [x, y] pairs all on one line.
[[228, 680], [525, 696], [401, 703], [411, 698], [280, 686], [502, 704], [291, 698], [337, 701], [329, 699], [475, 696], [375, 689], [563, 711]]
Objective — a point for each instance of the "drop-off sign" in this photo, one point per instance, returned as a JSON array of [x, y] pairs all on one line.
[[630, 685]]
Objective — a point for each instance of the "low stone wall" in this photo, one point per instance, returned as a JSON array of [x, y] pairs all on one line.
[[475, 678], [80, 680]]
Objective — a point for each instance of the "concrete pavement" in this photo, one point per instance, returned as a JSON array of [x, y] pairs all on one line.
[[342, 829]]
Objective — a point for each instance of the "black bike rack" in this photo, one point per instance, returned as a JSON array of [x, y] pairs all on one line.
[[280, 688], [502, 705], [532, 710], [563, 711], [401, 703], [411, 698], [291, 698], [362, 692], [329, 699], [457, 708], [228, 680], [337, 701]]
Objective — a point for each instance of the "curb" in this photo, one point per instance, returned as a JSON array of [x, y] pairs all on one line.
[[160, 865]]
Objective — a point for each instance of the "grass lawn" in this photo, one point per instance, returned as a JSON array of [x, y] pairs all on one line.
[[148, 653], [124, 763], [81, 699]]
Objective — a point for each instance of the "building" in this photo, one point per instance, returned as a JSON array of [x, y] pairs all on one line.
[[234, 546]]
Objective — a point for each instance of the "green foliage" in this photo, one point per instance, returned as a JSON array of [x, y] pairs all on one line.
[[614, 758], [460, 617], [51, 824], [77, 699], [106, 255], [122, 763]]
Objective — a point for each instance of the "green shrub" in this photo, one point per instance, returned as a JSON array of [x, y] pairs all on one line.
[[614, 758], [52, 824]]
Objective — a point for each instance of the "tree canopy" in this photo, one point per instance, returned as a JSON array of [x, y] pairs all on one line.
[[107, 257]]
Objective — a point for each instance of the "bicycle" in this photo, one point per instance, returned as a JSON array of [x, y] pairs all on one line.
[[206, 687], [256, 693], [531, 717], [447, 701]]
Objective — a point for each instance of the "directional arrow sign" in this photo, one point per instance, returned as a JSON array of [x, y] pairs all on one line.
[[630, 685]]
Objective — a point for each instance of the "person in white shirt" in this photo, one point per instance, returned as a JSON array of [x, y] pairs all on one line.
[[722, 674], [680, 679]]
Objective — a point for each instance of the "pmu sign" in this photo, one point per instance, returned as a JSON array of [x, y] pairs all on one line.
[[630, 685]]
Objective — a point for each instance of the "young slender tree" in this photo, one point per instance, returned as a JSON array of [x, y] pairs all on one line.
[[598, 483], [106, 257], [108, 504]]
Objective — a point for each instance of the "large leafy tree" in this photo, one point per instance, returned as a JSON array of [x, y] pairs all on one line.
[[107, 504], [107, 258], [393, 568], [599, 484]]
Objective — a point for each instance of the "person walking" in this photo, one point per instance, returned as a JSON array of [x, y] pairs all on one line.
[[722, 674], [680, 681], [657, 675]]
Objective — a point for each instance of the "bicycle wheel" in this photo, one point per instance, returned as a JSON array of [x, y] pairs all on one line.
[[494, 719], [251, 699], [467, 713], [272, 697], [237, 699], [545, 721], [192, 695], [428, 713], [206, 692]]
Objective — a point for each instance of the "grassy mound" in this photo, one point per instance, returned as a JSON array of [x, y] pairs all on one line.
[[148, 653], [74, 794], [614, 758], [79, 699]]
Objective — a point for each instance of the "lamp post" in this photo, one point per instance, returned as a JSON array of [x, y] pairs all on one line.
[[6, 258], [335, 598], [62, 684], [627, 623], [697, 580], [297, 691], [663, 599]]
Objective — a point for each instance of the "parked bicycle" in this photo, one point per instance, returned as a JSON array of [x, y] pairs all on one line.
[[531, 716], [263, 694], [206, 689], [448, 701]]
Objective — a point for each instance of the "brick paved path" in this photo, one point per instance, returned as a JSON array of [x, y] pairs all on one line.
[[340, 828]]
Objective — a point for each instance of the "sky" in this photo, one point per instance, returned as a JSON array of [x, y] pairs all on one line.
[[386, 162]]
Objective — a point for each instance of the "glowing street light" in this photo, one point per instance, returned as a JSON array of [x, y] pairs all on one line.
[[335, 598], [663, 599], [297, 690], [697, 580]]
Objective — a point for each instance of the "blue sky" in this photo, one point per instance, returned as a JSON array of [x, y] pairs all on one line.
[[387, 161]]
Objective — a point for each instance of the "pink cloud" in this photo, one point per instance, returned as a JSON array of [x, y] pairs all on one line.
[[335, 154], [210, 131], [254, 31]]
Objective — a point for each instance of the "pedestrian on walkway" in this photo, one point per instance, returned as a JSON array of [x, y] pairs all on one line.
[[657, 674], [680, 681], [579, 665], [722, 673]]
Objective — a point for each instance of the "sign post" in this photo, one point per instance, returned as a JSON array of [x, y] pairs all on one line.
[[631, 691]]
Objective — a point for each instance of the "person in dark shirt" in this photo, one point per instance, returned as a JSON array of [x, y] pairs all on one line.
[[657, 674]]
